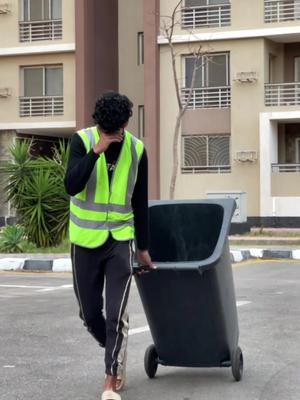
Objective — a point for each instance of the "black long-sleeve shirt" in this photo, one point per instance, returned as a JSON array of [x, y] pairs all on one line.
[[80, 167]]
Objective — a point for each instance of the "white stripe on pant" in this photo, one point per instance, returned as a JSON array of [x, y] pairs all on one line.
[[112, 262]]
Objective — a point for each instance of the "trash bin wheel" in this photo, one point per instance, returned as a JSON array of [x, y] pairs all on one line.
[[237, 364], [151, 361]]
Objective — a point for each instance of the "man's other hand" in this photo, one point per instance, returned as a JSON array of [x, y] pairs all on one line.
[[144, 260]]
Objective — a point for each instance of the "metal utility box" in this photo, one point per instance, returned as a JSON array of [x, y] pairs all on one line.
[[240, 214]]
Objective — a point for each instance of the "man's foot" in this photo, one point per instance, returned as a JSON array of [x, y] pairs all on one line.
[[110, 395], [109, 392]]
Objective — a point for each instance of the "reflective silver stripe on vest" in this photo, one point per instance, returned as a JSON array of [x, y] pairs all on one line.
[[132, 171], [91, 185], [91, 206], [106, 225]]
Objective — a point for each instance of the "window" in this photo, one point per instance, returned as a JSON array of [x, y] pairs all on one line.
[[41, 10], [43, 81], [297, 143], [206, 153], [206, 13], [297, 69], [42, 91], [272, 60], [211, 87], [141, 122], [40, 20], [212, 71], [140, 46]]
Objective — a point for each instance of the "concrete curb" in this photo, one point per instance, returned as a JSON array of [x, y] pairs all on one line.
[[27, 264], [64, 264]]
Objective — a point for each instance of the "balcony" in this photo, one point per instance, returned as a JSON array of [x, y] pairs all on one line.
[[208, 97], [41, 106], [282, 10], [40, 30], [206, 16], [282, 94]]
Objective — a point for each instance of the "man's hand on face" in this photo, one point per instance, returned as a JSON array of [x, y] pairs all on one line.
[[106, 140]]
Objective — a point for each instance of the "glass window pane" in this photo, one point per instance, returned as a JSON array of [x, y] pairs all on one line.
[[141, 121], [297, 69], [214, 2], [56, 9], [195, 3], [46, 10], [25, 10], [218, 151], [36, 10], [54, 81], [33, 82], [189, 68], [217, 71], [140, 49]]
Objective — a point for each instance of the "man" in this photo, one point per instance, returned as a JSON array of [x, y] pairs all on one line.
[[107, 177]]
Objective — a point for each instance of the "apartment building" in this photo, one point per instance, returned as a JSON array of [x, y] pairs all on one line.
[[240, 136], [56, 58]]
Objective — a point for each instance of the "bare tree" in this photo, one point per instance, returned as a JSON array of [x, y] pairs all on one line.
[[168, 25]]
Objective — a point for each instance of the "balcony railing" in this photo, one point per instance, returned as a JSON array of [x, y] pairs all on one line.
[[40, 30], [206, 16], [282, 94], [208, 169], [285, 167], [208, 97], [41, 106], [282, 10]]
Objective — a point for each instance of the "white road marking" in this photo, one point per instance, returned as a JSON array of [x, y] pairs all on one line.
[[37, 288], [9, 366], [242, 303], [53, 288], [24, 286], [146, 328], [135, 331]]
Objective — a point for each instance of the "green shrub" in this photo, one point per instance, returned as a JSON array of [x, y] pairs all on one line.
[[35, 188], [11, 239]]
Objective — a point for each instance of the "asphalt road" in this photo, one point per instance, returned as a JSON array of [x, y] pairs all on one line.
[[46, 353]]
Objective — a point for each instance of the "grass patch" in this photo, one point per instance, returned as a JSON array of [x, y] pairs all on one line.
[[29, 247], [265, 232], [258, 243]]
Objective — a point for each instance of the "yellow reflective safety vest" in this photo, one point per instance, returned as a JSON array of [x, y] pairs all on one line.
[[104, 207]]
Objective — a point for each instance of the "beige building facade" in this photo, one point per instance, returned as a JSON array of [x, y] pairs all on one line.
[[56, 58], [240, 133]]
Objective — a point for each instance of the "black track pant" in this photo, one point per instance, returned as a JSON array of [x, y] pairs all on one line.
[[111, 263]]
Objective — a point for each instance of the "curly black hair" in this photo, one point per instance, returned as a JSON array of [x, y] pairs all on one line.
[[112, 111]]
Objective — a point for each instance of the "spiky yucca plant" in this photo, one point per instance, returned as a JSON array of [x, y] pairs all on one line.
[[36, 190], [11, 239]]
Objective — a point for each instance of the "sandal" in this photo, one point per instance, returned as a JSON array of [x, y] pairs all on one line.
[[110, 395]]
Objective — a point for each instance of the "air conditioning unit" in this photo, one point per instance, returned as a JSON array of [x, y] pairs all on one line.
[[4, 8], [240, 214], [246, 77], [246, 156], [5, 92]]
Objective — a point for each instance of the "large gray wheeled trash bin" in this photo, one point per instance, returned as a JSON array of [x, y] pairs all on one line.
[[189, 300]]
